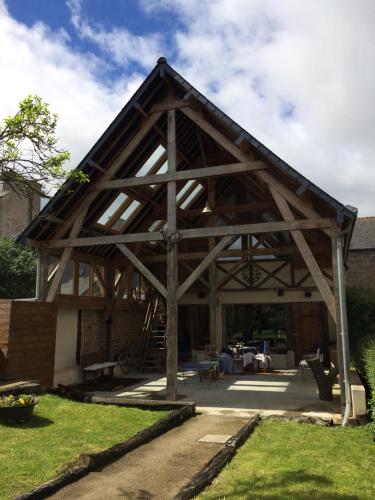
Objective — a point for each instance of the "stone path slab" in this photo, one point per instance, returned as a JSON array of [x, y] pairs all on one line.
[[159, 469]]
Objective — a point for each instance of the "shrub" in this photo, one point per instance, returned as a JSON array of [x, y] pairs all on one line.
[[361, 324], [17, 270]]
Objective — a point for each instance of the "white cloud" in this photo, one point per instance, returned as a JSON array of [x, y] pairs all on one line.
[[258, 58], [123, 46], [37, 61], [297, 75]]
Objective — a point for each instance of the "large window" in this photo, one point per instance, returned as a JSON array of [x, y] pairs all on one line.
[[84, 279]]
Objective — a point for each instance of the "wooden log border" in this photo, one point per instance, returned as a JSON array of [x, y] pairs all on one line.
[[95, 461], [201, 480]]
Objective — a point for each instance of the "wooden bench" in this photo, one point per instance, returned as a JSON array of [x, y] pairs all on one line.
[[95, 365], [98, 369]]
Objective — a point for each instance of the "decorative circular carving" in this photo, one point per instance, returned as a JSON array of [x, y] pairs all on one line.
[[251, 274]]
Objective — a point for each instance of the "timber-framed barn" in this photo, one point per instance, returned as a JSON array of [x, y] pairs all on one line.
[[185, 207]]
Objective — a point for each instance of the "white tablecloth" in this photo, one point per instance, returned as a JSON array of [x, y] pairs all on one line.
[[248, 358]]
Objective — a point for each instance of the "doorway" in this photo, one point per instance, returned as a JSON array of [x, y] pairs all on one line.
[[193, 328]]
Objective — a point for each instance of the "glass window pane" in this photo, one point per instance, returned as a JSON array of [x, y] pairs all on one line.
[[183, 190], [97, 288], [121, 198], [163, 169], [189, 200], [67, 282], [53, 262], [147, 166], [84, 279], [128, 212]]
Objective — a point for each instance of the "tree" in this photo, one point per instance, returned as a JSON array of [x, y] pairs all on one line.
[[29, 154], [17, 270]]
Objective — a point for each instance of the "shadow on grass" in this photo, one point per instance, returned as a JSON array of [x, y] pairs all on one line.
[[296, 485], [34, 422]]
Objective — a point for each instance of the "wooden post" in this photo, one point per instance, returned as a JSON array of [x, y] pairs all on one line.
[[212, 300], [172, 277], [42, 274], [109, 310]]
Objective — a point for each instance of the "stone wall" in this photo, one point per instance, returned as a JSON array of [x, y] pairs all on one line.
[[361, 268], [93, 332], [127, 328]]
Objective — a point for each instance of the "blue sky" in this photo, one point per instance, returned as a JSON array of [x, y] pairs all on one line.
[[297, 75]]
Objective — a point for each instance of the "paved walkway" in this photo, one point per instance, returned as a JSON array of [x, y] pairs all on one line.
[[286, 392], [160, 468]]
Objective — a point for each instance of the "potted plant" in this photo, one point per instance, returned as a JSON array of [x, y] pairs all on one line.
[[18, 408]]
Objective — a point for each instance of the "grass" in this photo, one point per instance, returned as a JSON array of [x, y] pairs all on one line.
[[289, 460], [60, 431]]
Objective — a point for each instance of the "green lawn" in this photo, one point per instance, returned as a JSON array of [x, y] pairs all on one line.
[[61, 429], [297, 461]]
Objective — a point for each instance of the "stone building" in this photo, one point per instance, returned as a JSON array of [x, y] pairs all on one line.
[[16, 210], [361, 259]]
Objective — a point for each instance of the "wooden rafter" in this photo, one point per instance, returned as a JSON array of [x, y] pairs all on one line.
[[307, 255], [111, 171], [266, 177], [142, 269], [203, 265]]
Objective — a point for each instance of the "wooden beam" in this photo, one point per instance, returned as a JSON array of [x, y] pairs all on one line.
[[111, 171], [203, 265], [307, 255], [266, 177], [65, 257], [204, 232], [187, 256], [143, 269], [182, 175], [168, 105], [172, 264]]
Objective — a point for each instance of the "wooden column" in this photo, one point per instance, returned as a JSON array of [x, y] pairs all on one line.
[[109, 310], [212, 269], [42, 274], [172, 277]]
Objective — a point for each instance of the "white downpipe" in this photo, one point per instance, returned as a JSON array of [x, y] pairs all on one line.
[[344, 331]]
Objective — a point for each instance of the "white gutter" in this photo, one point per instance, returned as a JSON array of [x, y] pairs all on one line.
[[344, 331]]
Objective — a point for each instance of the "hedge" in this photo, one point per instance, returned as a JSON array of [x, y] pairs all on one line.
[[361, 324]]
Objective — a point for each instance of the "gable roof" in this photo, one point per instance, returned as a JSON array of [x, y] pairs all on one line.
[[124, 127], [363, 237]]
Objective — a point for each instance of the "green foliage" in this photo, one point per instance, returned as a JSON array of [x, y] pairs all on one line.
[[38, 450], [20, 400], [17, 270], [361, 324], [29, 154]]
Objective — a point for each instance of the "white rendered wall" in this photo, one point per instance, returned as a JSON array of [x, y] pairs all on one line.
[[66, 369]]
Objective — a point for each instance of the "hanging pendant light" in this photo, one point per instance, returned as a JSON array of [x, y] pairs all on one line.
[[207, 209]]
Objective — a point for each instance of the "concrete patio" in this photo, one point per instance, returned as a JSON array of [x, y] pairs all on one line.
[[278, 393]]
